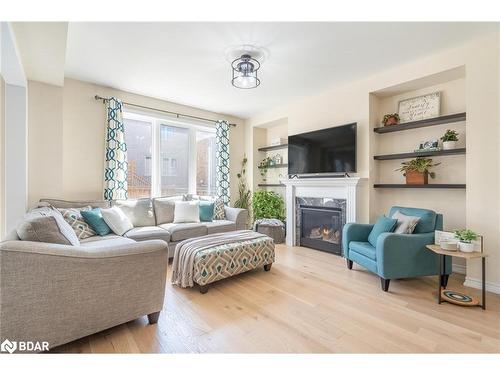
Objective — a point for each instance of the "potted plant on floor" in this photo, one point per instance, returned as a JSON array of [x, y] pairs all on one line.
[[465, 238], [450, 139], [417, 171], [268, 205]]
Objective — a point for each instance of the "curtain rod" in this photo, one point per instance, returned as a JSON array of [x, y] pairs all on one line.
[[97, 97]]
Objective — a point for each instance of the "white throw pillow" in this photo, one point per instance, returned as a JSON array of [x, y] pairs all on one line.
[[406, 224], [116, 220], [187, 212]]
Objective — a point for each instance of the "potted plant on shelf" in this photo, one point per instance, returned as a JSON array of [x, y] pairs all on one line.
[[465, 238], [263, 167], [450, 139], [417, 171], [390, 119]]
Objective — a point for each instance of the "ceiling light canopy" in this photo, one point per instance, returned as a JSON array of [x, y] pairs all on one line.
[[245, 72]]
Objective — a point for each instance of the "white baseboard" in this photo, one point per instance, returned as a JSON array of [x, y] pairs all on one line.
[[476, 283], [458, 268]]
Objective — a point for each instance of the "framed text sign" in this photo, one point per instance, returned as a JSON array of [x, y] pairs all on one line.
[[420, 107]]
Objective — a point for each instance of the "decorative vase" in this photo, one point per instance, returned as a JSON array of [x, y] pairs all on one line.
[[416, 178], [466, 247], [449, 145]]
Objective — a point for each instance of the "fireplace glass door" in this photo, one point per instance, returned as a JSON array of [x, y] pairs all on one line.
[[321, 228]]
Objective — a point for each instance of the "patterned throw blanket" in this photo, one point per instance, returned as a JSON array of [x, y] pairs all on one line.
[[185, 252]]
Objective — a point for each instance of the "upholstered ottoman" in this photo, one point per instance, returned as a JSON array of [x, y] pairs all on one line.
[[217, 257]]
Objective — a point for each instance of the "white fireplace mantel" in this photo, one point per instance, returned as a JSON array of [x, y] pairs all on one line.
[[328, 187]]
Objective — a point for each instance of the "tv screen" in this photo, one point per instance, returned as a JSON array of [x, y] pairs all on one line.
[[330, 150]]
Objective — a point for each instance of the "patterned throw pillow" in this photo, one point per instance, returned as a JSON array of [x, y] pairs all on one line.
[[219, 211], [75, 219]]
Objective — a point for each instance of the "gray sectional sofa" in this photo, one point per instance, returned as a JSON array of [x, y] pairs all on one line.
[[59, 293]]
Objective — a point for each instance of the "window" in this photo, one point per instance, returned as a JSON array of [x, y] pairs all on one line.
[[138, 135], [205, 163], [169, 157]]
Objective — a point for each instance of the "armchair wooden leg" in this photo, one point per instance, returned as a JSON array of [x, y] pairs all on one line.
[[384, 283], [349, 263], [153, 317]]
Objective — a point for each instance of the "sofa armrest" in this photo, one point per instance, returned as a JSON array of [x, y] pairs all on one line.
[[354, 232], [109, 251], [238, 215], [406, 255]]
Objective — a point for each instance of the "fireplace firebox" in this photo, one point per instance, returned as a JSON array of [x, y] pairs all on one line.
[[321, 228]]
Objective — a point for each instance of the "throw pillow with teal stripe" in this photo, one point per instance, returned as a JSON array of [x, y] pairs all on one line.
[[206, 211], [94, 219], [383, 225]]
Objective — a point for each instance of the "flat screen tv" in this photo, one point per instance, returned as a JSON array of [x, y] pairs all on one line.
[[326, 151]]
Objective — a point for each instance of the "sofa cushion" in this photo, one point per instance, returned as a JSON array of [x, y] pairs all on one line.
[[116, 220], [94, 218], [383, 225], [46, 224], [187, 212], [148, 233], [363, 248], [218, 226], [105, 241], [59, 203], [179, 232], [206, 211], [139, 211], [74, 218], [427, 222], [164, 208]]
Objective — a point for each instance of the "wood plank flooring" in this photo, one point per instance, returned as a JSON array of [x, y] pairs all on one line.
[[308, 302]]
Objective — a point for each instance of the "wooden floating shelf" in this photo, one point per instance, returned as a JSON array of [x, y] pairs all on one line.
[[408, 155], [270, 185], [272, 148], [446, 119], [278, 166], [428, 186]]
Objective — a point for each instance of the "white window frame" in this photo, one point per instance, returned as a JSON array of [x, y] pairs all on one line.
[[156, 120]]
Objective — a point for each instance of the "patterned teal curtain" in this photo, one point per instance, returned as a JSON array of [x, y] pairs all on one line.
[[115, 172], [222, 156]]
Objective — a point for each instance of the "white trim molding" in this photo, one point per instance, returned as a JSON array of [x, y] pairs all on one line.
[[459, 268], [328, 187], [476, 283]]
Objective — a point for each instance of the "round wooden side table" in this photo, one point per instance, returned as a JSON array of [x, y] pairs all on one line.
[[456, 297]]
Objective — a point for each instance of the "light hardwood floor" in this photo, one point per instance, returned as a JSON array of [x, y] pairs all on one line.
[[308, 302]]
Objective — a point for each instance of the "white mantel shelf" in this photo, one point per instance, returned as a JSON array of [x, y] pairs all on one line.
[[327, 187]]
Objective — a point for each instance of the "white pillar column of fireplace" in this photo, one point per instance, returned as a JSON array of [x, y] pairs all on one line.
[[328, 187]]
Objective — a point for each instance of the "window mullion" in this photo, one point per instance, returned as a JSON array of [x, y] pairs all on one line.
[[156, 158], [192, 161]]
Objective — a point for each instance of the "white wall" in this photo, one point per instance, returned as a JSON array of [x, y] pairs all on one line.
[[352, 102]]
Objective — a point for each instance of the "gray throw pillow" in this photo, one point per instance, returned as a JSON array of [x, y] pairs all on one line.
[[46, 225], [406, 224]]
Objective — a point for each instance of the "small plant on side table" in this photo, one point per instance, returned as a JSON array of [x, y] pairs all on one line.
[[465, 236], [417, 170], [450, 139]]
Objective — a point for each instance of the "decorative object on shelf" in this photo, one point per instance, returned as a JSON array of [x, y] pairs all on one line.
[[450, 139], [431, 145], [465, 238], [420, 107], [268, 205], [446, 240], [278, 159], [390, 119], [417, 170], [278, 141], [244, 194], [264, 165], [244, 71]]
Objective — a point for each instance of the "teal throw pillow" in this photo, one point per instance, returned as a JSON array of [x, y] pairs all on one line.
[[94, 219], [206, 211], [383, 225]]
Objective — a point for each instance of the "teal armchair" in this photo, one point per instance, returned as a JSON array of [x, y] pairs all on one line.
[[396, 256]]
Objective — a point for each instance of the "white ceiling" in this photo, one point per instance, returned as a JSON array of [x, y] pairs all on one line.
[[186, 62]]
